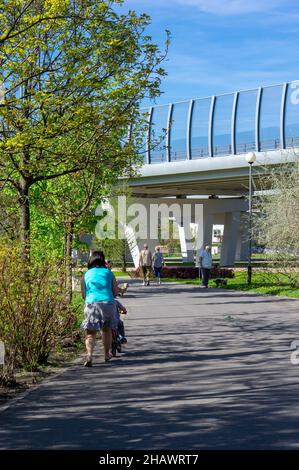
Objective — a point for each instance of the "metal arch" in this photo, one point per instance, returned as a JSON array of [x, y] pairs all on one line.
[[233, 126], [168, 133], [282, 116], [220, 94], [258, 119], [148, 135], [211, 125], [189, 127], [213, 99]]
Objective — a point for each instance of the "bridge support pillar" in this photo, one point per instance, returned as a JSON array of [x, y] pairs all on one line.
[[230, 238], [201, 213], [151, 241], [243, 239], [186, 243], [204, 232]]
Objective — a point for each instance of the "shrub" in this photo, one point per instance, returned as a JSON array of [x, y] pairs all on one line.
[[33, 310], [223, 273], [186, 272], [276, 221], [180, 272]]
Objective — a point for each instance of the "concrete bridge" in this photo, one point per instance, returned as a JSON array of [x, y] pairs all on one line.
[[198, 148]]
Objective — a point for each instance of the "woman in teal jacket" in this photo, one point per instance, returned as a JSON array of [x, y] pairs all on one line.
[[99, 288]]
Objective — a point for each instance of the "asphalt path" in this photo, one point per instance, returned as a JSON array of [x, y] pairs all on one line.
[[203, 369]]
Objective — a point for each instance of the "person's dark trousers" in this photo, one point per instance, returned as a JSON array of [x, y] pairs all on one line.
[[146, 273], [157, 271], [205, 274]]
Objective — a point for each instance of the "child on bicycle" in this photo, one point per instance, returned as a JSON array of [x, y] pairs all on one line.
[[121, 310]]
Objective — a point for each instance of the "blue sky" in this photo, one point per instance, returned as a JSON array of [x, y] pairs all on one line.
[[220, 46]]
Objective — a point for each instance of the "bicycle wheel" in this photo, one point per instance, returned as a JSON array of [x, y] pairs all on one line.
[[118, 347], [114, 344]]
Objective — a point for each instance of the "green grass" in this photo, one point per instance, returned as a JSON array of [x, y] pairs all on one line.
[[262, 283], [120, 274], [78, 306]]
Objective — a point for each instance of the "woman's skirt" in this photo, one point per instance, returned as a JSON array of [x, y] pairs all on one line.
[[99, 314]]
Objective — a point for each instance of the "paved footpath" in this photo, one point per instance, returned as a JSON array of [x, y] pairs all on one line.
[[204, 369]]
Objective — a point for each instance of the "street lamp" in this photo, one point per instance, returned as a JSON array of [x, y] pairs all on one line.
[[250, 158]]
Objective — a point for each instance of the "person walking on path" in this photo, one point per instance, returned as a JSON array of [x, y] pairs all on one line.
[[158, 262], [205, 265], [145, 262], [99, 287]]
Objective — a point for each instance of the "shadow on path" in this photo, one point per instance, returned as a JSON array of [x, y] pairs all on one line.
[[189, 379]]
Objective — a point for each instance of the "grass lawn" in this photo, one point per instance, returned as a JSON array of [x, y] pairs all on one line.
[[262, 283], [78, 305], [120, 274]]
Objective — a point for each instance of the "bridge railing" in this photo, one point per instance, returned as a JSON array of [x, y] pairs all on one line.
[[260, 119]]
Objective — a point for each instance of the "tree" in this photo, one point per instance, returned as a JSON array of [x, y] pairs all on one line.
[[277, 225], [67, 202], [8, 213], [20, 22], [114, 245], [72, 86]]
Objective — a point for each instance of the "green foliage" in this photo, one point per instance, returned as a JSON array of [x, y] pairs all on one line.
[[262, 283], [78, 308], [80, 77], [116, 250], [9, 216], [277, 223], [73, 74], [33, 314], [115, 246], [46, 233]]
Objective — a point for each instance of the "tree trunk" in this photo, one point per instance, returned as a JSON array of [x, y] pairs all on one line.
[[24, 204], [68, 238]]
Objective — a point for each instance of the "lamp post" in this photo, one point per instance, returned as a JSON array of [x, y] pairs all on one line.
[[250, 158]]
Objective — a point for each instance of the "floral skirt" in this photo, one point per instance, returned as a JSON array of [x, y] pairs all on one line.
[[99, 314]]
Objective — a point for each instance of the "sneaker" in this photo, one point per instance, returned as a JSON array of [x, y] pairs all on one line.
[[88, 363]]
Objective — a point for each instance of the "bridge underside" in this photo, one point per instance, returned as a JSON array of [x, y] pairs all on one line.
[[194, 149], [226, 176], [210, 176], [234, 187]]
